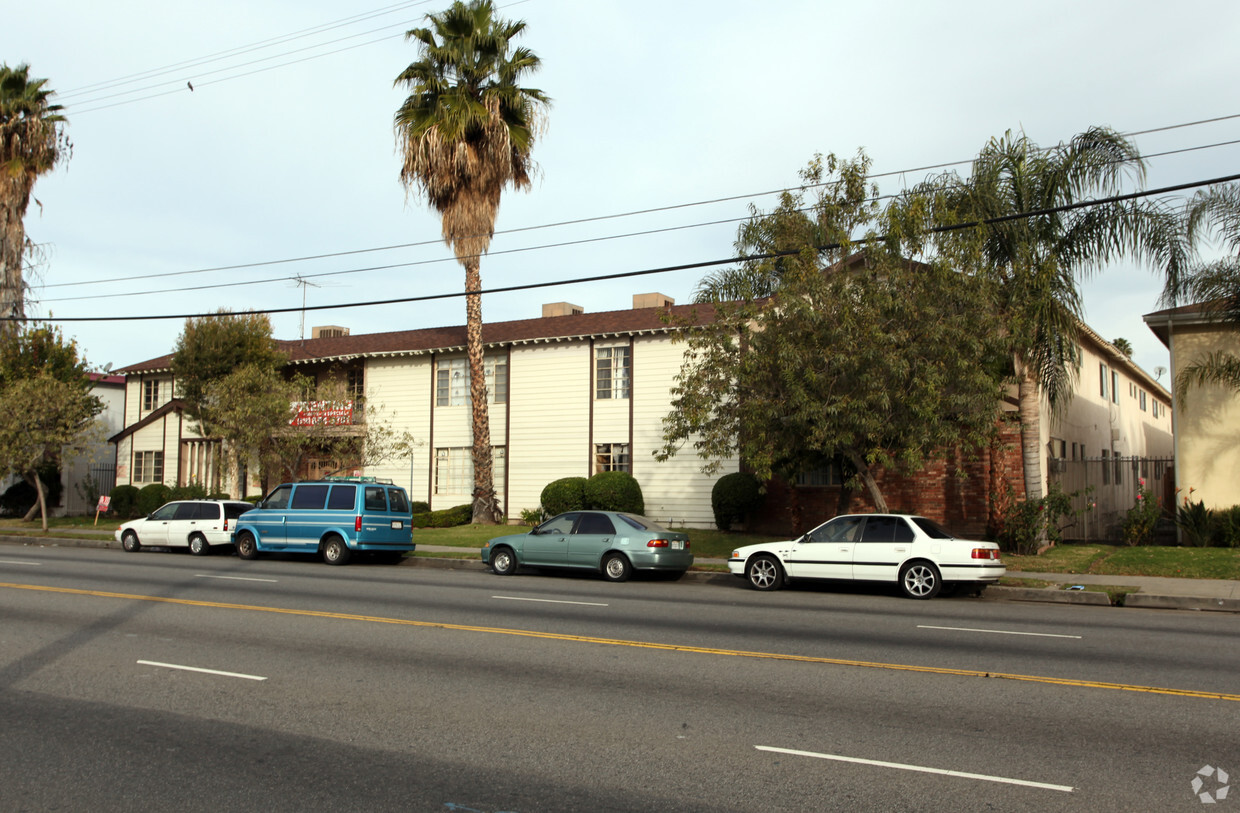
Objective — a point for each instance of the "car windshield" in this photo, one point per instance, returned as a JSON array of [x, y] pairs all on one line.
[[932, 529], [840, 529]]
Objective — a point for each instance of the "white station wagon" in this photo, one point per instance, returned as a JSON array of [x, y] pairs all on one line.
[[195, 524], [913, 551]]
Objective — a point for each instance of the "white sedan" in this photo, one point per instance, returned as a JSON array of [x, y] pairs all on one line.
[[913, 551]]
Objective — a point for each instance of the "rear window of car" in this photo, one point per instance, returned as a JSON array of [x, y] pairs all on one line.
[[234, 510], [376, 498], [932, 529], [309, 497], [400, 503], [640, 523], [342, 498]]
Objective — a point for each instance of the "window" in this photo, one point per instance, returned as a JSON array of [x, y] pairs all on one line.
[[1057, 448], [1106, 469], [310, 497], [452, 381], [1103, 379], [1114, 387], [454, 469], [595, 524], [342, 498], [614, 371], [148, 467], [612, 457], [1141, 400], [278, 498], [355, 383], [150, 395], [886, 529], [829, 475], [376, 498]]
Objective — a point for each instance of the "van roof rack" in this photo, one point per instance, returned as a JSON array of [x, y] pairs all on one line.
[[383, 481]]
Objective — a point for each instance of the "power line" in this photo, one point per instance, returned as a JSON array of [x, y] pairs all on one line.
[[645, 272], [450, 259]]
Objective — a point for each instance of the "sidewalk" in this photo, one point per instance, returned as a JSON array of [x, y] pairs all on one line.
[[1152, 592]]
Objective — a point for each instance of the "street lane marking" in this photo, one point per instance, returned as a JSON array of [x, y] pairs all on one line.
[[203, 671], [15, 562], [998, 632], [555, 636], [550, 601], [234, 578], [919, 768]]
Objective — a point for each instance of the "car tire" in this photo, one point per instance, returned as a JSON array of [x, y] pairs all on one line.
[[920, 580], [335, 551], [503, 561], [129, 541], [198, 545], [764, 573], [616, 568], [247, 548]]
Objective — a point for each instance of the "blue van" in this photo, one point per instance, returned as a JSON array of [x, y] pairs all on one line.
[[334, 517]]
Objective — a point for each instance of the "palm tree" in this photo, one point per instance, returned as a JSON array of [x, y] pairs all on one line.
[[1037, 250], [465, 133], [32, 143], [1213, 213]]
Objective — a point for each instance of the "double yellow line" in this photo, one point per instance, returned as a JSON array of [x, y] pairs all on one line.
[[589, 639]]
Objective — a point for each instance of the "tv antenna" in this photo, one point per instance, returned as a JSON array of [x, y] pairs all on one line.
[[304, 283]]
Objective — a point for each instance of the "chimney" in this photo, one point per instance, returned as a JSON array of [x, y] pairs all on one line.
[[328, 332], [652, 301], [562, 309]]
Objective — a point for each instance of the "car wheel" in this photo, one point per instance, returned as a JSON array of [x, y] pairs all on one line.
[[616, 568], [503, 561], [129, 541], [920, 580], [765, 573], [246, 547], [335, 551], [198, 545]]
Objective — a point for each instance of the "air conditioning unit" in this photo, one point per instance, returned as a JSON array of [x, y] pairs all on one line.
[[328, 332]]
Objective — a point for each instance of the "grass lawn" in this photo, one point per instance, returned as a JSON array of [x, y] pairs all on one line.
[[1121, 560]]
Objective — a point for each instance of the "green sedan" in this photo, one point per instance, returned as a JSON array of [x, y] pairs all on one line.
[[608, 542]]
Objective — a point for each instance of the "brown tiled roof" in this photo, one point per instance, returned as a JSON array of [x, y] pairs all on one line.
[[436, 339]]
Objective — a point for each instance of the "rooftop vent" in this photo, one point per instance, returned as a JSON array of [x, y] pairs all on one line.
[[328, 332], [652, 301], [562, 309]]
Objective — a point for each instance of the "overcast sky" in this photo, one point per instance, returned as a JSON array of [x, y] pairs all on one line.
[[656, 105]]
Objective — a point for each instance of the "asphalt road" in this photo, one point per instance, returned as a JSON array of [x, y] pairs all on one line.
[[374, 687]]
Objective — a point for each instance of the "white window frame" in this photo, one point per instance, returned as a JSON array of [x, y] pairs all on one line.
[[452, 380], [454, 468], [613, 457], [148, 467], [613, 365], [150, 394]]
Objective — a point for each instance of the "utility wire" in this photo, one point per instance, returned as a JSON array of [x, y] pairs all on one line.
[[645, 272], [453, 259]]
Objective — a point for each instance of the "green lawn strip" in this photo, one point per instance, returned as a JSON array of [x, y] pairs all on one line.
[[1183, 563], [1036, 584], [1070, 558]]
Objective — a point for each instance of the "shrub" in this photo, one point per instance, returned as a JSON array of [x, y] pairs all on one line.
[[124, 501], [151, 497], [1028, 522], [614, 491], [566, 494], [532, 516], [420, 507], [219, 495], [1227, 527], [447, 518], [734, 497], [18, 499], [189, 492], [1194, 521], [1142, 518]]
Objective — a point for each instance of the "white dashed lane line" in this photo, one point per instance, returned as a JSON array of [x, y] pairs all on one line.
[[14, 562], [550, 601], [919, 769], [234, 578], [200, 670], [998, 632]]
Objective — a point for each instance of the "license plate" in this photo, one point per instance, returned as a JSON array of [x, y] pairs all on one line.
[[678, 545], [397, 524]]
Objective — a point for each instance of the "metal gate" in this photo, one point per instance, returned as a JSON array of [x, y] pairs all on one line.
[[1106, 488]]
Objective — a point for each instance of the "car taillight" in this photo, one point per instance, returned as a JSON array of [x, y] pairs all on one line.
[[357, 523], [657, 543], [985, 553], [225, 523]]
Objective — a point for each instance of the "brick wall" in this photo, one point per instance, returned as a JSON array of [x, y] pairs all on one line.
[[963, 495]]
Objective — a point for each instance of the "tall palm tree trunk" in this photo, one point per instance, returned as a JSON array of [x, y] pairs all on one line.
[[1029, 397], [12, 250], [486, 506]]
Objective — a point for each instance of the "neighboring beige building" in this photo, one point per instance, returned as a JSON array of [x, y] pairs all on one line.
[[1207, 430]]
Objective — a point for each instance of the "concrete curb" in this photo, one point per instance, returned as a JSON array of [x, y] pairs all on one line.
[[1155, 602], [1047, 595]]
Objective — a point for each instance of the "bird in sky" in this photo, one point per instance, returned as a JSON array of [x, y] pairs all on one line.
[[190, 85]]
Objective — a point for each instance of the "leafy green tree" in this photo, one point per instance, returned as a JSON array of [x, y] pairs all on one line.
[[32, 143], [865, 356], [209, 349], [465, 133], [1037, 251], [1213, 215]]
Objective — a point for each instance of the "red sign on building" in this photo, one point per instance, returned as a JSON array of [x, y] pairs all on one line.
[[323, 413]]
